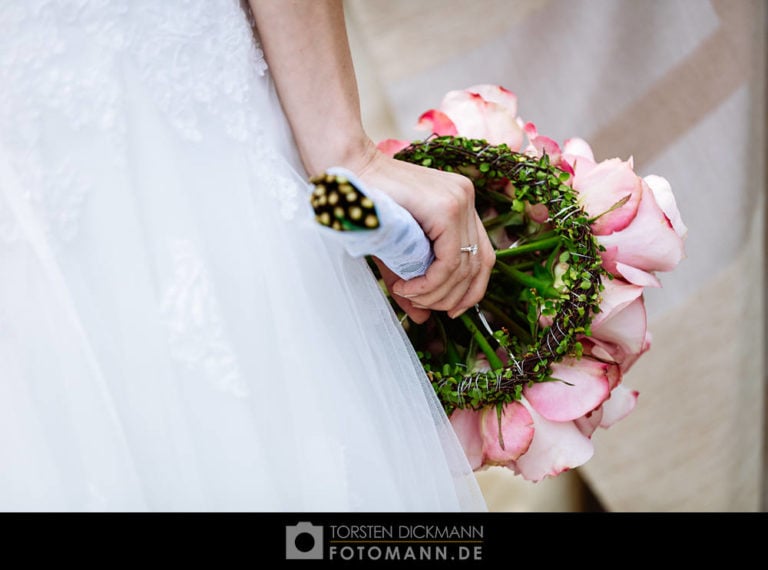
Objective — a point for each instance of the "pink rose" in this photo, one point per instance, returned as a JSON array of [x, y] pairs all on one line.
[[483, 443], [640, 236], [556, 447], [549, 430], [479, 112], [566, 415], [637, 221], [620, 330], [539, 145]]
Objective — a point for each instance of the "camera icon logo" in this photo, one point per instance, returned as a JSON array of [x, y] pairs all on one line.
[[303, 541]]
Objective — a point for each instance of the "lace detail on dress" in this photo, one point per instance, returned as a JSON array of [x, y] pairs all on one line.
[[191, 314], [65, 191], [285, 190], [54, 87], [200, 67], [56, 193], [72, 69]]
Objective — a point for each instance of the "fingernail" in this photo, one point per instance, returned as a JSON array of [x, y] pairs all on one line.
[[411, 296], [454, 314], [419, 306]]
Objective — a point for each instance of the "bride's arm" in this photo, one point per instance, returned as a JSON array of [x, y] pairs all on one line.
[[305, 44], [306, 47]]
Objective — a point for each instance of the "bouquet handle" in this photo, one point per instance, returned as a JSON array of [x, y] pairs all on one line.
[[366, 221]]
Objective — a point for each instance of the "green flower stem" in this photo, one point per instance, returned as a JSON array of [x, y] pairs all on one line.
[[511, 325], [545, 289], [498, 197], [451, 354], [502, 220], [552, 259], [493, 359], [520, 266], [538, 245]]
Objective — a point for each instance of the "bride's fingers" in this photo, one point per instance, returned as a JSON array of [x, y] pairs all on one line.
[[445, 297], [450, 275], [470, 293], [416, 314], [476, 291], [447, 271], [450, 293], [446, 213], [441, 278]]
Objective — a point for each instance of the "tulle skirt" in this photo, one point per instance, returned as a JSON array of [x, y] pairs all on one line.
[[175, 334]]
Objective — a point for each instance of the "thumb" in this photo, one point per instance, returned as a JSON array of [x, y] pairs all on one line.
[[390, 279]]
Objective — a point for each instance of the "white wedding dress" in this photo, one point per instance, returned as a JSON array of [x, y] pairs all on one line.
[[175, 334]]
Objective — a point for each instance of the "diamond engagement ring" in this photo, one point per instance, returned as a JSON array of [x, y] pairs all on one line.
[[470, 249]]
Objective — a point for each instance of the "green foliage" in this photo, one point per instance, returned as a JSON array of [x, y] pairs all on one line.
[[507, 328]]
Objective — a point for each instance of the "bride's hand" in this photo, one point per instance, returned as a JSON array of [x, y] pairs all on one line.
[[443, 204], [328, 131]]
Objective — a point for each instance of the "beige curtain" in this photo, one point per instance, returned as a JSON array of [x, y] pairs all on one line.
[[679, 85]]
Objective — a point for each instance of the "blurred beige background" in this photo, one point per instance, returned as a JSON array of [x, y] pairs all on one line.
[[681, 86]]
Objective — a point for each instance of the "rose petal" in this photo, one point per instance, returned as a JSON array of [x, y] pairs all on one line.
[[466, 424], [391, 147], [618, 406], [556, 447], [530, 130], [587, 386], [496, 94], [538, 213], [437, 122], [577, 148], [609, 257], [478, 118], [539, 145], [589, 423], [632, 357], [545, 145], [662, 191], [626, 328], [613, 353], [637, 276], [615, 297], [597, 349], [602, 187], [649, 242], [516, 430]]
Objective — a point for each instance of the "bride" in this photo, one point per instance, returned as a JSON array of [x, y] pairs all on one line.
[[175, 334]]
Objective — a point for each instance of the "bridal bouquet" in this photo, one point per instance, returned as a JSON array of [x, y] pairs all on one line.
[[537, 368]]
